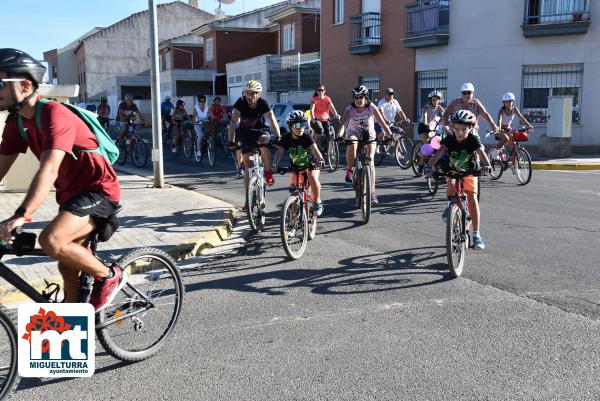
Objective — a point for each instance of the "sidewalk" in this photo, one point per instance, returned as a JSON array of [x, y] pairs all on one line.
[[178, 221], [578, 162]]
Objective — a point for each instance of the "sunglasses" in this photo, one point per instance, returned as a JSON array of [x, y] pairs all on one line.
[[202, 101], [320, 90], [466, 93], [3, 80], [359, 97], [298, 125]]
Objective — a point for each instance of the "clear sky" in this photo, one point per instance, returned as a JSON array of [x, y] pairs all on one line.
[[36, 26]]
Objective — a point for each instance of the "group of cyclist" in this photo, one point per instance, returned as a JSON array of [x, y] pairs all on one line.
[[88, 190]]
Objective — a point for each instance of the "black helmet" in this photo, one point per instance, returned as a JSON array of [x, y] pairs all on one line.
[[464, 117], [296, 116], [360, 90], [180, 103], [102, 99], [13, 62]]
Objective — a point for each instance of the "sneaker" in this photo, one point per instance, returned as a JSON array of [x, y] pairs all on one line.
[[349, 176], [478, 242], [318, 208], [245, 208], [198, 153], [494, 154], [240, 172], [269, 178], [446, 214], [291, 233], [374, 200], [173, 149], [105, 289]]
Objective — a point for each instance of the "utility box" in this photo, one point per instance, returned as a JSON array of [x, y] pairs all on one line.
[[557, 141], [560, 116]]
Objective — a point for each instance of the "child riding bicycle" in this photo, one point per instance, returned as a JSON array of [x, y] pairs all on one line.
[[297, 143]]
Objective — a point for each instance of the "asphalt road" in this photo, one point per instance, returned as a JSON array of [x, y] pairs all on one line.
[[370, 313]]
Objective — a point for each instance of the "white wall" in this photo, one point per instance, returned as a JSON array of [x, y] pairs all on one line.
[[487, 47]]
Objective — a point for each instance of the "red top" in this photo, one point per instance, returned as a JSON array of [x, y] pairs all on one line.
[[62, 129], [321, 108], [217, 111]]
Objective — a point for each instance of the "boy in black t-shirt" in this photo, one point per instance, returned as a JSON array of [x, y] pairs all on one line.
[[298, 144], [461, 149]]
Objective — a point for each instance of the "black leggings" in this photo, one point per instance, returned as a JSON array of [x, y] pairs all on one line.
[[320, 127]]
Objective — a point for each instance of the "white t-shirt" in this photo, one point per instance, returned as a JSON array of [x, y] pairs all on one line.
[[389, 109], [201, 115]]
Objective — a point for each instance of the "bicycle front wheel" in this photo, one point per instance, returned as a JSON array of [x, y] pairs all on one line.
[[416, 162], [139, 152], [495, 164], [456, 242], [523, 162], [9, 376], [188, 144], [380, 151], [333, 154], [210, 150], [144, 313], [122, 145], [293, 228], [255, 212], [403, 152], [365, 206], [432, 185]]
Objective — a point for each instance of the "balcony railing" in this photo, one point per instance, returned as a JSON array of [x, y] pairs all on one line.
[[365, 33], [427, 23], [555, 17]]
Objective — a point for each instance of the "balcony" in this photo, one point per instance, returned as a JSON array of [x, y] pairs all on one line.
[[427, 24], [365, 33], [555, 17]]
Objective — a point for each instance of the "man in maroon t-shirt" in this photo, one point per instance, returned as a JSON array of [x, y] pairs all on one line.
[[87, 188]]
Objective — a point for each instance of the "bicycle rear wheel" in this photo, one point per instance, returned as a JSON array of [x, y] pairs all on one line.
[[144, 313], [188, 144], [365, 184], [403, 151], [293, 228], [9, 375], [333, 154], [496, 165], [416, 164], [380, 151], [122, 145], [432, 185], [524, 170], [139, 152], [456, 245], [255, 213], [210, 150]]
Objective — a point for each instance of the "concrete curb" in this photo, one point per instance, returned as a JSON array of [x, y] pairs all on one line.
[[565, 166], [209, 238]]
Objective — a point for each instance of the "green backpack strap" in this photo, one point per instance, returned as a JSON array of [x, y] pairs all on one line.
[[39, 106]]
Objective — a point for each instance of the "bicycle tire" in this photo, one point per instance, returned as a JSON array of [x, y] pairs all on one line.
[[122, 145], [403, 151], [523, 160], [255, 214], [289, 222], [9, 374], [380, 151], [456, 247], [139, 152], [416, 159], [432, 185], [210, 150], [366, 194], [333, 155], [496, 165], [127, 329], [188, 144], [311, 217], [198, 148]]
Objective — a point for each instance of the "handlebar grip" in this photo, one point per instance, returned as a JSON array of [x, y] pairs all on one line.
[[17, 230]]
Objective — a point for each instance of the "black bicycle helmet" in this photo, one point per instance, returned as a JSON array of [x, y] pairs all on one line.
[[296, 116], [360, 90], [180, 103], [13, 62], [464, 117]]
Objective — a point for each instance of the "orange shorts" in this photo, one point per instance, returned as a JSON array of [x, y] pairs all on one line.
[[469, 184]]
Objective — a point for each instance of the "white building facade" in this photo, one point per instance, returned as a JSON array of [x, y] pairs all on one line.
[[533, 48]]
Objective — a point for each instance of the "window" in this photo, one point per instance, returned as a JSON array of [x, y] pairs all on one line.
[[561, 10], [541, 81], [372, 84], [338, 11], [209, 49], [428, 81], [289, 39]]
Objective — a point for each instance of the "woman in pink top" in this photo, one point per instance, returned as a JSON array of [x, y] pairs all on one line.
[[320, 106], [359, 118]]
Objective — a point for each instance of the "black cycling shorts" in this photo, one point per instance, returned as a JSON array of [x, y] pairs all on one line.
[[320, 127], [423, 129], [99, 208], [249, 140]]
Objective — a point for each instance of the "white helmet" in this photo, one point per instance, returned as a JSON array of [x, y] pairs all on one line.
[[253, 86], [467, 87], [435, 93], [508, 96]]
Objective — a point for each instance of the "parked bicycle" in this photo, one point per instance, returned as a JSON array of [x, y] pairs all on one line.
[[458, 225], [399, 146], [362, 176], [135, 326], [257, 190], [132, 143], [298, 219], [518, 158]]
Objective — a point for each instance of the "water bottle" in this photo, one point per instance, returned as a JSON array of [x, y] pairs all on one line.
[[86, 283]]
